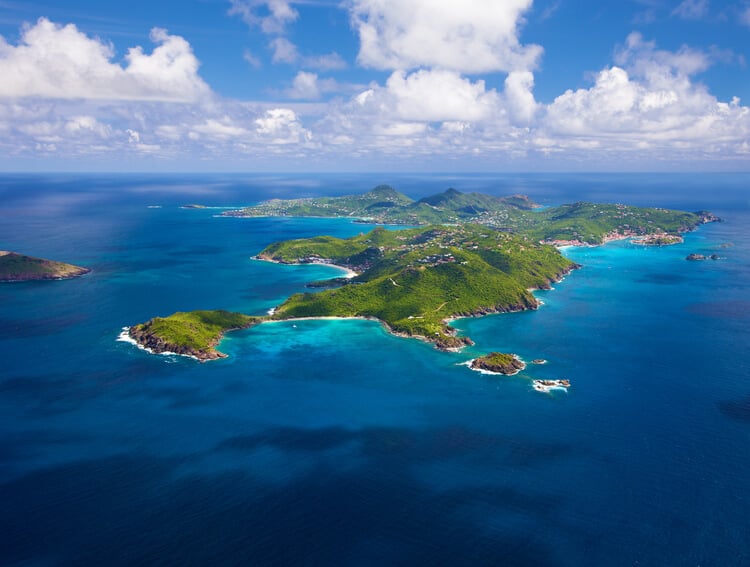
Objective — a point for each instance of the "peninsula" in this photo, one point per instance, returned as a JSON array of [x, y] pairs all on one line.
[[467, 255], [16, 267]]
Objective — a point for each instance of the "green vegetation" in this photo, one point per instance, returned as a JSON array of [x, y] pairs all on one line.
[[592, 223], [386, 205], [583, 223], [18, 268], [416, 279], [499, 362], [193, 333], [478, 254], [375, 204]]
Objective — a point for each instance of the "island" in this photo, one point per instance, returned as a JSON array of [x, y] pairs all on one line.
[[457, 255], [572, 224], [195, 333], [498, 363], [16, 267], [658, 239], [415, 281]]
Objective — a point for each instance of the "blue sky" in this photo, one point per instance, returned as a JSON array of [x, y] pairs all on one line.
[[364, 85]]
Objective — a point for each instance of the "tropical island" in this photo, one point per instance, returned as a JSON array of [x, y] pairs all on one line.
[[16, 267], [465, 255], [498, 363], [573, 224], [195, 334]]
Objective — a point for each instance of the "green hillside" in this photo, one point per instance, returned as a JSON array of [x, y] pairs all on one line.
[[193, 333], [416, 279], [584, 223], [18, 268]]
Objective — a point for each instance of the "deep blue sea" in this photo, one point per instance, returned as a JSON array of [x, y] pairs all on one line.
[[334, 443]]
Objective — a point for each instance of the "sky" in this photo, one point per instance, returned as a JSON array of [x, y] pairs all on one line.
[[371, 85]]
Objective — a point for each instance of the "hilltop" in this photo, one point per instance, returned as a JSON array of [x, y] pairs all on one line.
[[577, 223], [417, 280], [16, 267]]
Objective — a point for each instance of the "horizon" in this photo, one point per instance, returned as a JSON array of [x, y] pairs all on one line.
[[266, 86]]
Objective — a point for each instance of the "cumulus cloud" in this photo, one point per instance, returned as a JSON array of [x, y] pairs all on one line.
[[56, 61], [519, 97], [271, 16], [433, 96], [284, 51], [472, 36], [649, 103], [282, 126], [305, 86]]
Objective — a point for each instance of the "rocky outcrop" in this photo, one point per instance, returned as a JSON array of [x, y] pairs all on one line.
[[143, 335], [499, 363], [699, 257]]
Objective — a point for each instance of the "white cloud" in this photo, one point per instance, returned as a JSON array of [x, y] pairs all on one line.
[[282, 126], [223, 128], [56, 61], [305, 86], [644, 59], [284, 51], [519, 97], [435, 96], [692, 9], [328, 62], [272, 16], [650, 104], [471, 36]]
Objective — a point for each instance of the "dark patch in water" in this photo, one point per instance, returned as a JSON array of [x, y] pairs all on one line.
[[54, 393], [27, 328], [738, 410], [406, 445], [133, 511], [665, 279], [736, 309]]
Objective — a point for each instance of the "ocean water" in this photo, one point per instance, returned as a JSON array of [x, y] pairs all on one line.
[[334, 443]]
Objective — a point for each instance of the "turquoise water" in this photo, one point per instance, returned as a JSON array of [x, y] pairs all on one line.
[[334, 443]]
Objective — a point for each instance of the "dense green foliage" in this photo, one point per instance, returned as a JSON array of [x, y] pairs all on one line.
[[579, 222], [196, 331], [416, 279], [17, 267]]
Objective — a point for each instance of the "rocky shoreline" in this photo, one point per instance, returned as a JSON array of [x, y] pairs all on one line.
[[498, 363]]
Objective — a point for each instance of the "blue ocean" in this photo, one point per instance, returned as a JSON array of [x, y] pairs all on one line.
[[335, 443]]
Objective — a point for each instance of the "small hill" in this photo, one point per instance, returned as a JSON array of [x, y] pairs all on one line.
[[16, 267]]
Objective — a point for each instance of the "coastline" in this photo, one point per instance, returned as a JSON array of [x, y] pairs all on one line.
[[349, 273], [469, 364], [124, 337]]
